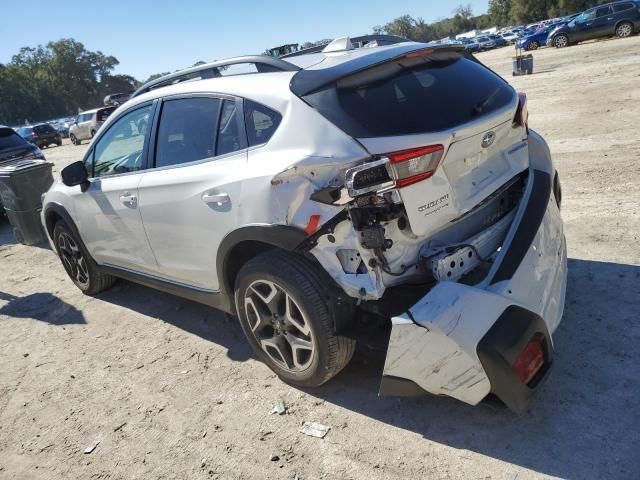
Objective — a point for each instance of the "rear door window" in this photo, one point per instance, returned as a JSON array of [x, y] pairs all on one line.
[[10, 139], [621, 7], [603, 12], [187, 130], [402, 98], [261, 122]]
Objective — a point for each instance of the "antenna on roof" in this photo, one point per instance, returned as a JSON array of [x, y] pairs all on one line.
[[339, 45]]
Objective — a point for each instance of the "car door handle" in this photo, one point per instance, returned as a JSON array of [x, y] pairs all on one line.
[[129, 200], [217, 198]]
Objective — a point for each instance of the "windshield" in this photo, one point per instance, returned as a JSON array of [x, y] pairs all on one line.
[[10, 139]]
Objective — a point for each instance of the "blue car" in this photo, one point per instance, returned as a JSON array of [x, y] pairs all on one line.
[[535, 40]]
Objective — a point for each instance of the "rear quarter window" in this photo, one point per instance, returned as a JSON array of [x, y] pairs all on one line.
[[395, 99], [621, 7], [261, 122]]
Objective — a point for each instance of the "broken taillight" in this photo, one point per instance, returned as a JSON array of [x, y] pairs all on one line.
[[414, 165], [521, 118], [530, 360]]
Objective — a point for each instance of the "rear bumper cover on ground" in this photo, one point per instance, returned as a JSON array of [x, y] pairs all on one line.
[[461, 340]]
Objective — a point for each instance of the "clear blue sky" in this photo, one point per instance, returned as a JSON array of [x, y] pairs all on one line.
[[155, 36]]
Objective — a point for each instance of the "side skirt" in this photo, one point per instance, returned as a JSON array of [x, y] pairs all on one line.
[[218, 300]]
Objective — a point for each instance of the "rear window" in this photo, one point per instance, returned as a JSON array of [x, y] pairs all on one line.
[[43, 129], [402, 98], [10, 139]]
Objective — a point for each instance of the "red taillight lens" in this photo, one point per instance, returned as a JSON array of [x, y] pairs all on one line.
[[416, 164], [530, 360], [522, 113]]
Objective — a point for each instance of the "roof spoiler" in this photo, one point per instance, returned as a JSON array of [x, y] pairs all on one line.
[[263, 64], [310, 80]]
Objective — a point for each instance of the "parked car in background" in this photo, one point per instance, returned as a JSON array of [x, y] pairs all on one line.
[[535, 40], [621, 19], [499, 41], [14, 148], [116, 98], [41, 135], [63, 129], [87, 124], [484, 42], [510, 37], [468, 44]]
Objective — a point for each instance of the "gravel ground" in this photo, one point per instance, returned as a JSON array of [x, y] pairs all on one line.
[[170, 389]]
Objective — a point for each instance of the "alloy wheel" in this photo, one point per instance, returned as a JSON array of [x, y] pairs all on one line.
[[624, 30], [279, 326], [73, 260], [533, 45], [561, 41]]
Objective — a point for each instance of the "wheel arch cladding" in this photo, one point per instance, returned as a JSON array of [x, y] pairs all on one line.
[[53, 214], [241, 245]]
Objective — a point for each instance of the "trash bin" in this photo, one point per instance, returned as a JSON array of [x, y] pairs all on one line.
[[21, 187], [523, 65]]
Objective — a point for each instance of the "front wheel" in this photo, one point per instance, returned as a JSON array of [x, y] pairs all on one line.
[[74, 140], [625, 29], [288, 315], [80, 267], [533, 45], [561, 41]]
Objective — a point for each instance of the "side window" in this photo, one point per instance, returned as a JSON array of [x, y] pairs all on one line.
[[261, 122], [187, 130], [230, 130], [119, 150], [602, 12], [621, 7]]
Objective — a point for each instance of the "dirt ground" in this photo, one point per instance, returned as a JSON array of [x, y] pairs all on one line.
[[170, 389]]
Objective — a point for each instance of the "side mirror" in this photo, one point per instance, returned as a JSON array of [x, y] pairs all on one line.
[[75, 174]]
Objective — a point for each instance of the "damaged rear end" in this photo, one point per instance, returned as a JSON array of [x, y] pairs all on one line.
[[459, 202]]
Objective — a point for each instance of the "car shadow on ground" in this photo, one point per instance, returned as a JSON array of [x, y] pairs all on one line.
[[584, 422], [43, 306], [205, 322]]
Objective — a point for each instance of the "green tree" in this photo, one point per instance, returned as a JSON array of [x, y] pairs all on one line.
[[499, 12]]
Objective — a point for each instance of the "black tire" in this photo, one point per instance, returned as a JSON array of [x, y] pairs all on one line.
[[561, 41], [533, 45], [318, 308], [96, 280], [74, 140], [59, 143], [93, 133], [624, 30]]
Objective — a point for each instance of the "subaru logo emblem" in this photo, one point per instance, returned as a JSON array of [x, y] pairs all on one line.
[[488, 139]]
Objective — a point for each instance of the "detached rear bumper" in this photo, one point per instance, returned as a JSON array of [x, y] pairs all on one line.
[[462, 341]]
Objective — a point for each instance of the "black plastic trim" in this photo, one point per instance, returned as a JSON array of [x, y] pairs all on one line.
[[499, 349], [282, 236], [217, 300], [527, 228]]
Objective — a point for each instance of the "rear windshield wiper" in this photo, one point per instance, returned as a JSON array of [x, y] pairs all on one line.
[[481, 105]]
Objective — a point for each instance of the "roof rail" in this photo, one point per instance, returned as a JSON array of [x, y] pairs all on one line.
[[263, 63]]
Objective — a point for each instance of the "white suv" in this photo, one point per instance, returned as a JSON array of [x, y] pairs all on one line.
[[319, 193]]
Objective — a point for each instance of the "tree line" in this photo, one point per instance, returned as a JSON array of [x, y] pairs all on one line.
[[62, 77]]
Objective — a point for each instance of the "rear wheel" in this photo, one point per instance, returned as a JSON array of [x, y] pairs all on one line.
[[561, 41], [288, 315], [533, 45], [625, 29], [80, 267]]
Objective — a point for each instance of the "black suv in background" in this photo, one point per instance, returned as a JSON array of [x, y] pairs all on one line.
[[619, 18], [41, 135]]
